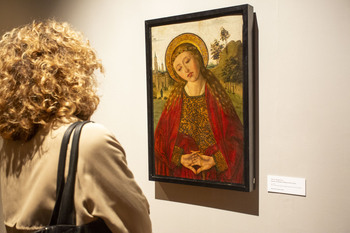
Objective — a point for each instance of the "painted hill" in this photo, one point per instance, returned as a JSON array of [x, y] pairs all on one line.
[[233, 51]]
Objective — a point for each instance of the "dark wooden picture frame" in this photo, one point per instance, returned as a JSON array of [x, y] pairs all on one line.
[[209, 138]]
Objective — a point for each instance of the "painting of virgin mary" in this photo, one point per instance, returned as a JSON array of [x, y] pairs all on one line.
[[199, 135]]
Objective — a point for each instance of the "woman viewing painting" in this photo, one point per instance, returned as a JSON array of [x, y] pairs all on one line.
[[199, 135]]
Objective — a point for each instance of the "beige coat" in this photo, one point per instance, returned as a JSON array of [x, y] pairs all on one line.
[[104, 187]]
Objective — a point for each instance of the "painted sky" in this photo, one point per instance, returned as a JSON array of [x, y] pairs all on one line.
[[208, 30]]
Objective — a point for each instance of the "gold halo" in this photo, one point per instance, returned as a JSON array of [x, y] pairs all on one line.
[[182, 39]]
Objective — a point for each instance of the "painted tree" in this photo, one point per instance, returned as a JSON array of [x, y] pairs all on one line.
[[224, 35], [215, 49], [232, 73]]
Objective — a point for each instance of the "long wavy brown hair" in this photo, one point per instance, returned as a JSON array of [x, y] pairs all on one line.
[[46, 76]]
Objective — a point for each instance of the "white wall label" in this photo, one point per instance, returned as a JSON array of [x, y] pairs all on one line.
[[287, 185]]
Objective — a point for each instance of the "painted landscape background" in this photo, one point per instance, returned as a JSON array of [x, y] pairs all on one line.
[[225, 60]]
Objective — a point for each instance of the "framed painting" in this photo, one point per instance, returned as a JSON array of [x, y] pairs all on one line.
[[201, 90]]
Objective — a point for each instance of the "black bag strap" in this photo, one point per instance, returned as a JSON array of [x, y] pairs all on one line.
[[60, 172], [67, 211], [64, 212]]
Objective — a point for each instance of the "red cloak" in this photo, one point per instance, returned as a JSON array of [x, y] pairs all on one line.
[[228, 133]]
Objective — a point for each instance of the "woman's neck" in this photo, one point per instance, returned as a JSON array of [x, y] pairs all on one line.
[[195, 88]]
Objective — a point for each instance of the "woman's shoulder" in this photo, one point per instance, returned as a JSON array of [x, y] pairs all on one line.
[[97, 139], [96, 130], [96, 133]]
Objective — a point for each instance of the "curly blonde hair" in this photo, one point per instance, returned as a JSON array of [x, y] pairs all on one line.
[[46, 76]]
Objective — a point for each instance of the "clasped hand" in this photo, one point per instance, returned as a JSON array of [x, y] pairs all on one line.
[[197, 159]]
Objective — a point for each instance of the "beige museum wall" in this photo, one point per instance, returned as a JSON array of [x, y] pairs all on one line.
[[304, 109]]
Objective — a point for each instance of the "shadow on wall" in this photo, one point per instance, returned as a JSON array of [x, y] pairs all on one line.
[[15, 13], [242, 202]]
